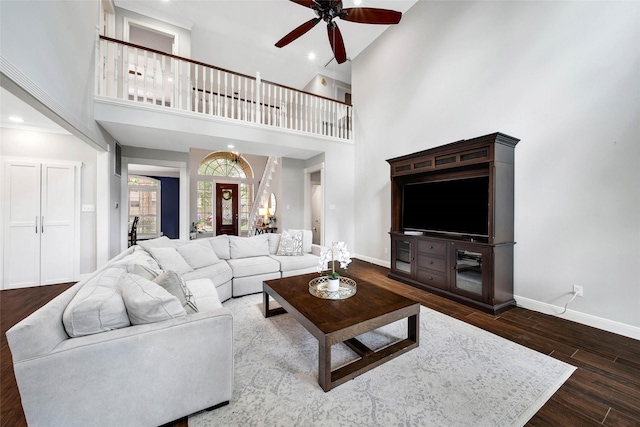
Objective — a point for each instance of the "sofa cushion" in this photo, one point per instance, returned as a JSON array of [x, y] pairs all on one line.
[[205, 294], [220, 245], [175, 285], [170, 259], [137, 257], [197, 255], [219, 273], [291, 263], [98, 306], [307, 239], [244, 247], [148, 302], [254, 265], [160, 242], [290, 245]]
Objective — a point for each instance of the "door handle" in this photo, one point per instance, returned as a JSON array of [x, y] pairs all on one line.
[[42, 224], [36, 224]]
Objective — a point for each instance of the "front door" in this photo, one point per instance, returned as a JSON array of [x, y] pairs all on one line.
[[227, 202]]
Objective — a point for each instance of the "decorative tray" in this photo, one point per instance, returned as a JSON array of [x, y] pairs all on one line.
[[318, 288]]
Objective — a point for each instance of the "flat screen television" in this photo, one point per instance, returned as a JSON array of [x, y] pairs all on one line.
[[459, 206]]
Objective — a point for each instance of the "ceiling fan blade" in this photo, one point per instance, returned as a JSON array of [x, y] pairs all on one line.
[[297, 32], [307, 3], [337, 43], [371, 15]]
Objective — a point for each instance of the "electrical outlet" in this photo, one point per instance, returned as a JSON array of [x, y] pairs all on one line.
[[577, 290]]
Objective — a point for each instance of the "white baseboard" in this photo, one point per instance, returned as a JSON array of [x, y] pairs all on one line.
[[380, 262], [583, 318], [553, 310]]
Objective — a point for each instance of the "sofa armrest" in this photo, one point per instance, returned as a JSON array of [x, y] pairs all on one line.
[[316, 249], [132, 376]]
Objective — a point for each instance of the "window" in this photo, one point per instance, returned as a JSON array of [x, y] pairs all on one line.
[[229, 165], [144, 202]]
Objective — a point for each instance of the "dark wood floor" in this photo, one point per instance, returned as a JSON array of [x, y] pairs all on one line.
[[604, 390]]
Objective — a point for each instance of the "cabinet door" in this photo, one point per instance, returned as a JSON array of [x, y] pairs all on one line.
[[471, 271], [21, 242], [57, 223], [402, 255]]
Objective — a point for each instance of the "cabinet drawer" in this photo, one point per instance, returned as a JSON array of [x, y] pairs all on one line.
[[432, 263], [432, 247], [432, 279]]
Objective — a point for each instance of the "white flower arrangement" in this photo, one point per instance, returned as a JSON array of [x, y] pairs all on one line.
[[337, 252]]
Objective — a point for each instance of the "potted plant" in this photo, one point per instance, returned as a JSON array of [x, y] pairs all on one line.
[[337, 252]]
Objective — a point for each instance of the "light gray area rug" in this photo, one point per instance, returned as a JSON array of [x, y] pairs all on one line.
[[460, 375]]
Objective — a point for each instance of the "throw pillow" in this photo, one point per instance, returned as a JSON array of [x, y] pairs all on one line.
[[307, 239], [98, 306], [197, 255], [244, 247], [290, 245], [175, 285], [170, 259], [144, 271], [147, 302]]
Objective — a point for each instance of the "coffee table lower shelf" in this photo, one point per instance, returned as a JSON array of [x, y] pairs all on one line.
[[369, 358]]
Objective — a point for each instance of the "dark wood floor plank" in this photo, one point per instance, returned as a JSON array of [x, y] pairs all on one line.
[[609, 366], [597, 385], [529, 338], [618, 419], [554, 413], [604, 388]]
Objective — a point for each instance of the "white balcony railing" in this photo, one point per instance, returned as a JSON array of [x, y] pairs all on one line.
[[134, 73]]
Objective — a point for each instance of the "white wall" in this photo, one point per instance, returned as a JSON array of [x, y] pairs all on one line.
[[59, 147], [564, 77]]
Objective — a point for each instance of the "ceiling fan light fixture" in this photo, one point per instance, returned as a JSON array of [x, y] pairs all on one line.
[[328, 11]]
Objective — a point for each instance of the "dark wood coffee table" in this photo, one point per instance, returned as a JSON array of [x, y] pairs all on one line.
[[335, 321]]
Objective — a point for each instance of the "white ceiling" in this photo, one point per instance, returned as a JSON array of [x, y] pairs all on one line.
[[12, 106]]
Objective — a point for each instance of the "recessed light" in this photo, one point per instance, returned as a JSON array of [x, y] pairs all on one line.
[[231, 146], [311, 56], [16, 119], [357, 2]]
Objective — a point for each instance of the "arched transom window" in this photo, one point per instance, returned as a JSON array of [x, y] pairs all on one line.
[[223, 163], [219, 165]]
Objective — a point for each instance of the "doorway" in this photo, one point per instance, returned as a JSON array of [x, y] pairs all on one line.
[[227, 203]]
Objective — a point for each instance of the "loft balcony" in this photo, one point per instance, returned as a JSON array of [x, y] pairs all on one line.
[[148, 80]]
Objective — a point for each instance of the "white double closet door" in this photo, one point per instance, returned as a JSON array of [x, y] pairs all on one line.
[[41, 218]]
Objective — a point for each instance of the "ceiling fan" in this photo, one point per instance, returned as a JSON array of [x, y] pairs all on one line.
[[328, 10]]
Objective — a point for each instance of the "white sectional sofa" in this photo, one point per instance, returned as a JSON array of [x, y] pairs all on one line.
[[132, 346]]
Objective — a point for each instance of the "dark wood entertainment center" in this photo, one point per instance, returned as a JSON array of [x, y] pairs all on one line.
[[472, 268]]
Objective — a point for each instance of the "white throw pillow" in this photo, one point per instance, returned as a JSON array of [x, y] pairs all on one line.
[[274, 243], [148, 302], [198, 255], [290, 245], [170, 259], [244, 247], [176, 286], [307, 239]]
